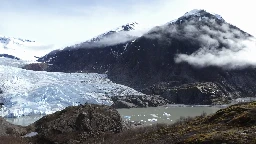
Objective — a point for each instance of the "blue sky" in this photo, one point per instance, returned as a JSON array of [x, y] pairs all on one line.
[[66, 22]]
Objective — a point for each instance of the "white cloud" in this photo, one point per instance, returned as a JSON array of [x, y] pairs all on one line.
[[221, 46]]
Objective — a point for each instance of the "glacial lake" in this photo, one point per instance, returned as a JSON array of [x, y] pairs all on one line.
[[166, 114]]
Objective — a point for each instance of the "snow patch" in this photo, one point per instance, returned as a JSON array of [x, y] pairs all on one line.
[[195, 12], [218, 17]]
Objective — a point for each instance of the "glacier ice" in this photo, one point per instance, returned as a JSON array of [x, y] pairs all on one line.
[[27, 92]]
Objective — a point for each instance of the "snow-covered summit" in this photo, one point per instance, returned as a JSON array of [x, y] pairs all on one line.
[[127, 27], [22, 48], [8, 42], [116, 35], [123, 28], [193, 12], [199, 14]]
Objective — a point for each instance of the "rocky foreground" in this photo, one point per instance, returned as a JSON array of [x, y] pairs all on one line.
[[103, 124]]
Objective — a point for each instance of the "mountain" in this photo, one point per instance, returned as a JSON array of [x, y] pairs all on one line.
[[17, 48], [197, 59]]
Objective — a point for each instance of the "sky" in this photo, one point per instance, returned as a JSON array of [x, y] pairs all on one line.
[[67, 22]]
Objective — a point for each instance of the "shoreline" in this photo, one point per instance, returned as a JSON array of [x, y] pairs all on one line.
[[150, 115]]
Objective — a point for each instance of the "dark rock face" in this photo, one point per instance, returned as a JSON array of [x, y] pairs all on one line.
[[78, 124], [123, 104], [36, 66], [138, 101], [1, 91], [150, 60], [197, 93]]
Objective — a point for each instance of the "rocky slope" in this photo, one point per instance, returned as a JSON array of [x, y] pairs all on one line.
[[133, 101], [176, 54], [204, 93]]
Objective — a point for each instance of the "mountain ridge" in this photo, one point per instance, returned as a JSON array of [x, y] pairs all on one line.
[[121, 31]]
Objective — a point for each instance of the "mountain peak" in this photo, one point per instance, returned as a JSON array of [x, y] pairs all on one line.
[[198, 14], [5, 41], [202, 13], [114, 33], [127, 27], [193, 12]]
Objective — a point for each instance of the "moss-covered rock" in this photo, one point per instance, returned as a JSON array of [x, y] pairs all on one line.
[[78, 124]]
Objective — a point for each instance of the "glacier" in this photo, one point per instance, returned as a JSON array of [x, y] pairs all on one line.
[[27, 92]]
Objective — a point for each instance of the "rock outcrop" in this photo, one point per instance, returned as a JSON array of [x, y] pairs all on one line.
[[36, 66], [138, 101], [207, 93], [8, 129], [78, 124]]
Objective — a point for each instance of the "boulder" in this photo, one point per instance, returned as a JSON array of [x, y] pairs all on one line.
[[78, 124]]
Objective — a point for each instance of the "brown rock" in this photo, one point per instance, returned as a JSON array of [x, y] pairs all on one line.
[[36, 66], [79, 123]]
